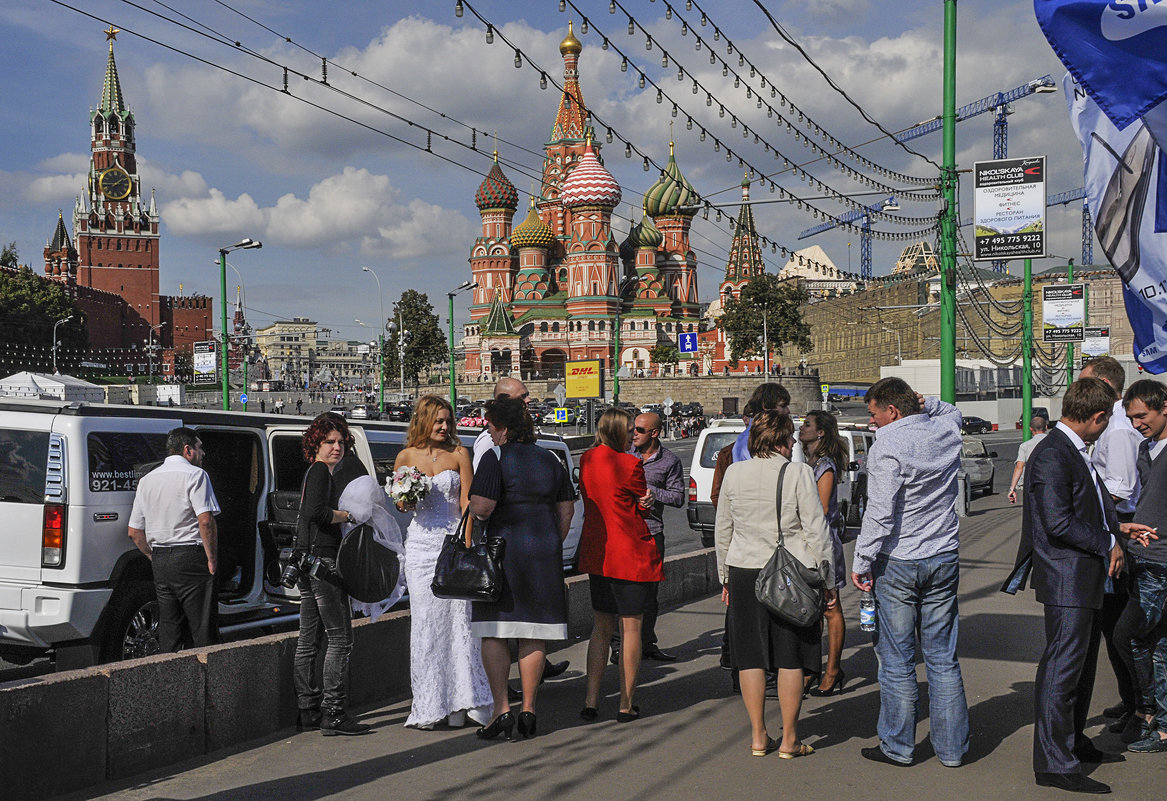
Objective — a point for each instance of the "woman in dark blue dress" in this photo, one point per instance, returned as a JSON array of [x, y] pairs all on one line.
[[527, 497]]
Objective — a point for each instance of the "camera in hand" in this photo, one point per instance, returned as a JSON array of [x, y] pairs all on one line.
[[297, 564]]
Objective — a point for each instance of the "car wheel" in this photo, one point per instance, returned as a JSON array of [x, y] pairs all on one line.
[[131, 630]]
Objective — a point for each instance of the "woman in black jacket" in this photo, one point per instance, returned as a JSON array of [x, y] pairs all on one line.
[[323, 603]]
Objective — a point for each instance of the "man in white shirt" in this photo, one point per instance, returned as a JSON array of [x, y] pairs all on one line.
[[1115, 459], [1037, 427], [173, 524]]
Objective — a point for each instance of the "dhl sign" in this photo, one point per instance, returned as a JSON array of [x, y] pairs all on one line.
[[584, 378]]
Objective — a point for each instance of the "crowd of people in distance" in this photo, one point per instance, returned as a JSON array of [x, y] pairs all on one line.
[[1093, 487]]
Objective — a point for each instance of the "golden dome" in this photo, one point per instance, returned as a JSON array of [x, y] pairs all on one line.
[[570, 44]]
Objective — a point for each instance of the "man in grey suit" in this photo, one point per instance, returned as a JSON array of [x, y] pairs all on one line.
[[1070, 526]]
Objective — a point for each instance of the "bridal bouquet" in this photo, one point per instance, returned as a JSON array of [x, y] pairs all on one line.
[[408, 485]]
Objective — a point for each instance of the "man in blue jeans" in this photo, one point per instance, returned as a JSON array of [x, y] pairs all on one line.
[[907, 553]]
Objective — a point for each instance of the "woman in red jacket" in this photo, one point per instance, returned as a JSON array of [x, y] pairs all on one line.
[[619, 555]]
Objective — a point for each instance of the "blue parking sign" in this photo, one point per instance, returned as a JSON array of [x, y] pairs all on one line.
[[687, 342]]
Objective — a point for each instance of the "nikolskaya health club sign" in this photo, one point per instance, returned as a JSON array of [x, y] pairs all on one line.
[[1009, 209]]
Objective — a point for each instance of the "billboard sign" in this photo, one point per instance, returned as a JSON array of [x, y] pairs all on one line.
[[206, 366], [1063, 313], [584, 378], [1096, 342], [1009, 209]]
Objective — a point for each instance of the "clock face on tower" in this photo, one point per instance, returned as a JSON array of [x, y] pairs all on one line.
[[116, 184]]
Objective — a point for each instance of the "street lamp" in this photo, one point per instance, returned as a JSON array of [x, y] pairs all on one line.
[[63, 320], [401, 335], [150, 351], [243, 244], [381, 343], [465, 285]]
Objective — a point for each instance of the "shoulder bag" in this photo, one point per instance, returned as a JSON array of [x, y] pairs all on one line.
[[469, 566], [789, 589]]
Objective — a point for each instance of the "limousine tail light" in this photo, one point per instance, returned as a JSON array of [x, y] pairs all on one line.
[[53, 536], [692, 491]]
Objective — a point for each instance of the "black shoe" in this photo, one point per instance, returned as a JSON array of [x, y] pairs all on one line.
[[834, 689], [308, 719], [615, 657], [1088, 752], [503, 723], [330, 727], [629, 716], [589, 713], [1071, 782], [657, 655], [1117, 711], [1120, 724], [526, 724], [1135, 729], [1151, 744], [553, 669], [876, 754]]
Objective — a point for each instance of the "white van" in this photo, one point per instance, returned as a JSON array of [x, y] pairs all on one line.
[[72, 583], [852, 489]]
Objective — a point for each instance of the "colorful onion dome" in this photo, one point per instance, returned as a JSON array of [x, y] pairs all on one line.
[[672, 192], [495, 191], [589, 184], [645, 234], [570, 44], [532, 232]]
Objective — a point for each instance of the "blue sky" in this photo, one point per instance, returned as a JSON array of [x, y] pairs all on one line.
[[231, 158]]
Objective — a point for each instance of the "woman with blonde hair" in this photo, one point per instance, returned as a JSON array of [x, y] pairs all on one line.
[[618, 553], [445, 665], [749, 521]]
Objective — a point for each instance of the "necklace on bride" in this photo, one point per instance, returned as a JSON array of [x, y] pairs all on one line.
[[433, 456]]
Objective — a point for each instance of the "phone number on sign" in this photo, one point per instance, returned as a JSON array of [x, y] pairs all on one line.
[[113, 484]]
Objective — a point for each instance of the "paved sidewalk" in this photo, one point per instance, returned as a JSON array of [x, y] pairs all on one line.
[[692, 741]]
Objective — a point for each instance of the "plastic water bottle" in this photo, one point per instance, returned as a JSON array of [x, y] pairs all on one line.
[[867, 612]]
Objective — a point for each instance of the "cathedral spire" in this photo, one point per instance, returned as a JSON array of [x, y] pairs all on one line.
[[745, 252], [111, 91], [572, 118]]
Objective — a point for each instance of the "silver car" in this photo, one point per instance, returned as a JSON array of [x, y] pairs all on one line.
[[977, 464]]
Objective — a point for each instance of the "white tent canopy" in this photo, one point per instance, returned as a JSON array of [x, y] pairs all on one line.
[[60, 387]]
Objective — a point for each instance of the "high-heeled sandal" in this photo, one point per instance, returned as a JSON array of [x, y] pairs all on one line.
[[503, 723], [834, 689], [589, 713], [526, 724], [629, 716]]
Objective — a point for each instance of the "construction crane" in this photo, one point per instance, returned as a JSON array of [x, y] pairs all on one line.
[[999, 104], [864, 216], [1061, 199]]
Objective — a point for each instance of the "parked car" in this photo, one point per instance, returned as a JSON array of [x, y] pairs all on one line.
[[976, 425], [399, 412], [852, 489], [1035, 411], [977, 464], [341, 410], [364, 411]]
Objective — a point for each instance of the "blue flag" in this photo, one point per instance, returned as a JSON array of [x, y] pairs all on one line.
[[1116, 51], [1126, 189]]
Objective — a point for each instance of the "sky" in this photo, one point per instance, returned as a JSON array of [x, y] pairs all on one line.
[[230, 155]]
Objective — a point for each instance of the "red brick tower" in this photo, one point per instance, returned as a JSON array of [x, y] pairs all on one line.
[[117, 235]]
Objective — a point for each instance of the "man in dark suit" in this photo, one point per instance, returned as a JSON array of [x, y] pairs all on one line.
[[1070, 523]]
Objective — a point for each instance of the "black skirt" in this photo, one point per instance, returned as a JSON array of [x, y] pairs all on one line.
[[619, 596], [758, 639]]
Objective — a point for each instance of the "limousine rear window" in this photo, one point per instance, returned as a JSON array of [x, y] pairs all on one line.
[[117, 459], [23, 458]]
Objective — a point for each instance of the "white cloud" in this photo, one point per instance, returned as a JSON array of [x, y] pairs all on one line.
[[215, 214]]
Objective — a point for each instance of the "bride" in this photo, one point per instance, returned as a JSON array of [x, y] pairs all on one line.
[[445, 664]]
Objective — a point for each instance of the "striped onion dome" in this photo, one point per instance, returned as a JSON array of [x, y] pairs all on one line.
[[671, 192], [646, 235], [495, 191], [532, 232], [589, 184]]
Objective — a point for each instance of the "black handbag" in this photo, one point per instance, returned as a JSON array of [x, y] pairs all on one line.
[[368, 570], [789, 589], [469, 566]]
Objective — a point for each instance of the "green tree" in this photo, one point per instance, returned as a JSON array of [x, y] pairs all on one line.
[[775, 302], [30, 305], [425, 344], [665, 354]]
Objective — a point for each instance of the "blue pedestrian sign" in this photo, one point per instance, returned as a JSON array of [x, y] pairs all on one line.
[[561, 415], [687, 342]]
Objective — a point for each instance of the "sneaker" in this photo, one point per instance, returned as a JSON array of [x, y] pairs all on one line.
[[343, 725], [1151, 744]]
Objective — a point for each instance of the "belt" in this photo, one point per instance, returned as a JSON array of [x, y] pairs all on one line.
[[177, 545]]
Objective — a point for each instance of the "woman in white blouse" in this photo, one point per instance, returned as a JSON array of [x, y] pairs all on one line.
[[746, 535]]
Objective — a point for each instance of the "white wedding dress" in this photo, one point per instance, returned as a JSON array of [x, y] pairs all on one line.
[[445, 662]]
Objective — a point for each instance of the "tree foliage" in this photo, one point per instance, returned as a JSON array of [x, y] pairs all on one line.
[[665, 354], [425, 344], [779, 303], [30, 306]]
